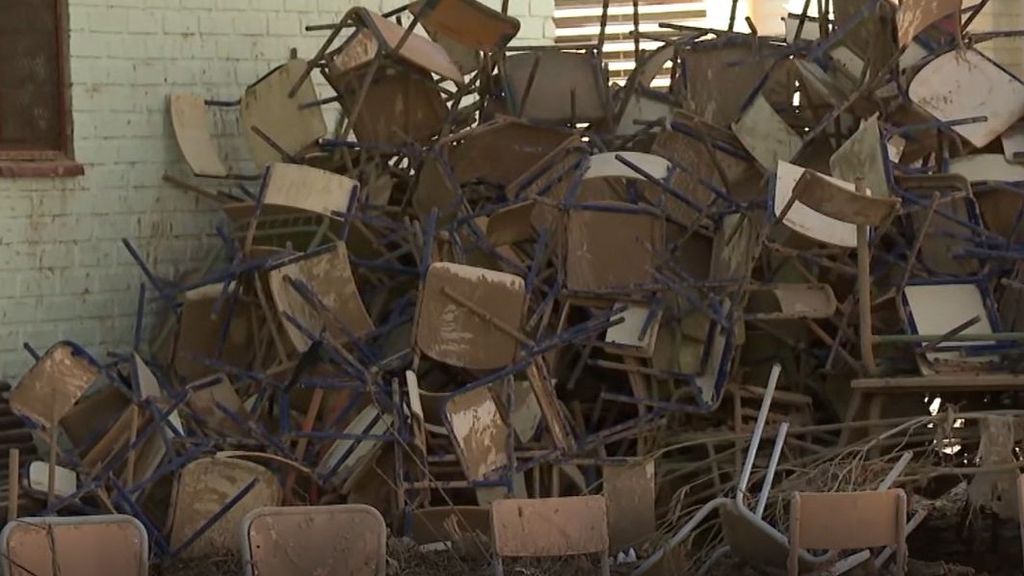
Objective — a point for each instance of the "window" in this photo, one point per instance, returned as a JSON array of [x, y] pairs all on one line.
[[35, 119], [579, 21]]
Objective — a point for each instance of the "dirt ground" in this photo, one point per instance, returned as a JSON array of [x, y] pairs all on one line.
[[937, 548]]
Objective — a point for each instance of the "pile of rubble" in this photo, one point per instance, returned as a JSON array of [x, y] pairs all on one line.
[[513, 310]]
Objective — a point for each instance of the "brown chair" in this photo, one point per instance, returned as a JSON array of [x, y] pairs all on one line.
[[1020, 505], [550, 527], [276, 542], [384, 78], [846, 521], [462, 304], [84, 546], [470, 31], [826, 200]]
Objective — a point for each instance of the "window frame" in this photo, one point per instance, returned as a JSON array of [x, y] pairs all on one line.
[[16, 162]]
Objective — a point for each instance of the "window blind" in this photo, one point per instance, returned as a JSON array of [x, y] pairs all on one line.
[[579, 22]]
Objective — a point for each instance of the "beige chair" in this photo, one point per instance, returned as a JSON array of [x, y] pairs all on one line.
[[1020, 506], [841, 214], [276, 541], [547, 527], [84, 546], [848, 520], [211, 486], [470, 317], [191, 125]]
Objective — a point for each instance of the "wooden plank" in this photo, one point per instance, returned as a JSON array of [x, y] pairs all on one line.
[[205, 399], [550, 526], [629, 493], [469, 23], [961, 382], [566, 86], [987, 168]]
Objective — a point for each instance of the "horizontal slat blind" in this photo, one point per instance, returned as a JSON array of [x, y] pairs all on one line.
[[579, 21]]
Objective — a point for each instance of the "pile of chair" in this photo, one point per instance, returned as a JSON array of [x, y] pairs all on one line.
[[503, 297]]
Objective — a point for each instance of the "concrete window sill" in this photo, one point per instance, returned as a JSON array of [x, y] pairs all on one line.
[[40, 169]]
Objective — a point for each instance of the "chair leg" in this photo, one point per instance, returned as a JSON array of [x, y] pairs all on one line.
[[793, 562], [606, 565], [864, 300]]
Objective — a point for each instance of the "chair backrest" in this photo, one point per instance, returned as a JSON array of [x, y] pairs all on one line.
[[468, 22], [417, 49], [267, 107], [192, 131], [205, 487], [478, 431], [611, 247], [449, 523], [465, 316], [276, 541], [550, 526], [75, 546], [53, 385], [291, 191], [1020, 506], [566, 86], [847, 520], [837, 199], [330, 279]]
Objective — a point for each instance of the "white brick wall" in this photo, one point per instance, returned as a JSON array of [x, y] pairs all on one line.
[[64, 272], [1004, 15]]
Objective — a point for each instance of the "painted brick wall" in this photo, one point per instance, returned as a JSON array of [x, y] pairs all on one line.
[[1004, 15], [64, 273]]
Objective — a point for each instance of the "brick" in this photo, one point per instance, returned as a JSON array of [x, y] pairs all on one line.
[[181, 23], [144, 22], [284, 24], [531, 28], [108, 20], [543, 8], [250, 23]]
